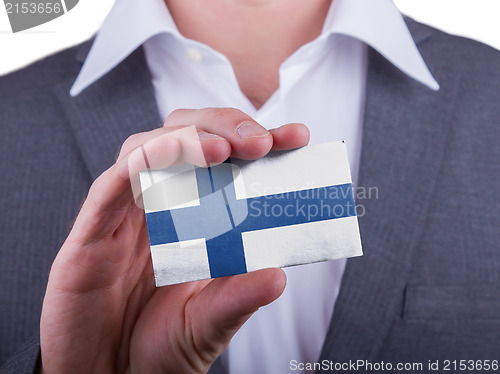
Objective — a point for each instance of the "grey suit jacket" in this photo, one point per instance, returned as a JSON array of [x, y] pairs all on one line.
[[428, 285]]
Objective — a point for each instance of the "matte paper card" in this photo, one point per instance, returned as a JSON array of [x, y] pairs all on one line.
[[287, 208]]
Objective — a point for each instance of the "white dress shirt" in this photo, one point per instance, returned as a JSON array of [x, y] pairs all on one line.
[[322, 85]]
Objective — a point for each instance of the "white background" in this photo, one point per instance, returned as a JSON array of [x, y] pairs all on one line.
[[476, 19]]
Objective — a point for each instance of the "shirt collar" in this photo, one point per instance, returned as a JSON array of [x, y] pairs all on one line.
[[129, 24], [378, 23]]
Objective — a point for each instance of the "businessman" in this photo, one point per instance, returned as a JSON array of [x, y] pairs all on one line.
[[418, 110]]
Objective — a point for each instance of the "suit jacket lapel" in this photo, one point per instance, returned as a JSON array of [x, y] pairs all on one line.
[[105, 114], [404, 136]]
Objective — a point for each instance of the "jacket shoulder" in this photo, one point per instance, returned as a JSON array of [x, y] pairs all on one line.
[[33, 85], [458, 55]]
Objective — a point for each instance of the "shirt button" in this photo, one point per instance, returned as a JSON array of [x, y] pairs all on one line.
[[194, 55]]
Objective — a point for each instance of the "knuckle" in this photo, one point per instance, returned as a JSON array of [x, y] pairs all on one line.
[[216, 113], [129, 144], [227, 116], [175, 115]]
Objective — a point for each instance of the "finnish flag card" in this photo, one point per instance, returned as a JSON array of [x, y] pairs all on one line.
[[287, 208]]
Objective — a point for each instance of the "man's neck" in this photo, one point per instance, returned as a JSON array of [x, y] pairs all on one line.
[[255, 35]]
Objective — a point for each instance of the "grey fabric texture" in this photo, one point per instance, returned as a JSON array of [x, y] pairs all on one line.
[[428, 285], [25, 359]]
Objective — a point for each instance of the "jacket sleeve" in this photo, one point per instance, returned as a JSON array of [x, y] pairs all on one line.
[[25, 360], [216, 368]]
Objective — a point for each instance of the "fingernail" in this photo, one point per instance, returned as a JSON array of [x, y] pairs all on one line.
[[202, 135], [251, 129]]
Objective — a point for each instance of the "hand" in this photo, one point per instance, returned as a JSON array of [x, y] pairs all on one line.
[[102, 312]]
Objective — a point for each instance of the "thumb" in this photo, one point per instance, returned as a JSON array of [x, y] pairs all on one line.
[[225, 304]]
